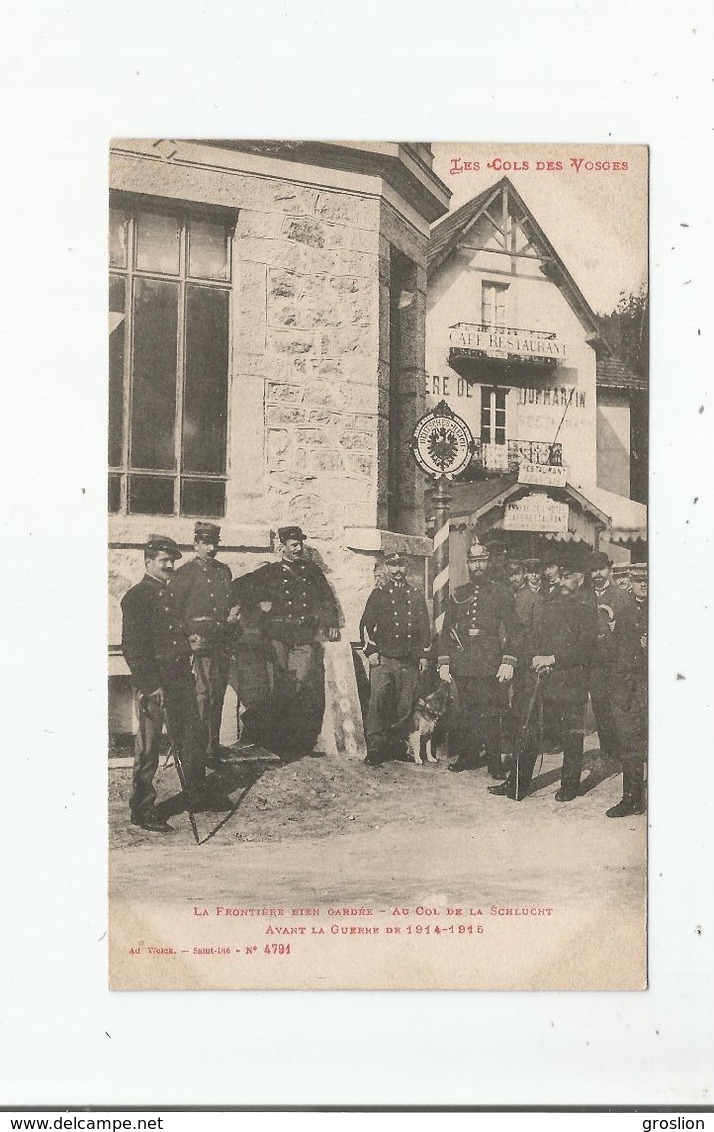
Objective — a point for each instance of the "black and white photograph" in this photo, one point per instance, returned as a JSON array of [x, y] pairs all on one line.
[[378, 565]]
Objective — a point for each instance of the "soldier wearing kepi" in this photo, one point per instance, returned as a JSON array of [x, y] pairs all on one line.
[[200, 591], [302, 610], [479, 646], [157, 651], [629, 698], [563, 643], [396, 639], [615, 606]]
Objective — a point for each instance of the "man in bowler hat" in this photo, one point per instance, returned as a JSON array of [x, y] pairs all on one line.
[[200, 591], [157, 651], [615, 607], [301, 610]]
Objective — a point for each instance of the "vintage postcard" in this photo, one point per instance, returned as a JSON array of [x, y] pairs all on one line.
[[378, 468]]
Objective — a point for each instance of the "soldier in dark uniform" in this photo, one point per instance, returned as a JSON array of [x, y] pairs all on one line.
[[251, 667], [396, 639], [614, 605], [157, 651], [528, 603], [550, 591], [479, 646], [302, 609], [200, 592], [629, 697], [562, 644]]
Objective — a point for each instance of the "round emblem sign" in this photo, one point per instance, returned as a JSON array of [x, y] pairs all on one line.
[[442, 443]]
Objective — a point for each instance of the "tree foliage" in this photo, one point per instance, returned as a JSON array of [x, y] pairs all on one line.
[[627, 329]]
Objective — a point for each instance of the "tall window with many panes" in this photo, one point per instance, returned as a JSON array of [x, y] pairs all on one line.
[[169, 333]]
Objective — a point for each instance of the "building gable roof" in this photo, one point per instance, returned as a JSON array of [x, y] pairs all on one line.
[[446, 234]]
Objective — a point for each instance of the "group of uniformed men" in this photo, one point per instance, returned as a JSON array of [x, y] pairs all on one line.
[[187, 632], [523, 643]]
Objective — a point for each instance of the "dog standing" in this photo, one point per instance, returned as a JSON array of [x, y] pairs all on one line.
[[428, 713]]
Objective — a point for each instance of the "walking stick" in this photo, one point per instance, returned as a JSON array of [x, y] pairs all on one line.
[[173, 749], [519, 746]]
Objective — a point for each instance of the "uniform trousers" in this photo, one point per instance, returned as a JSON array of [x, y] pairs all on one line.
[[569, 714], [210, 673], [601, 700], [299, 673], [630, 716], [186, 733], [477, 721], [392, 691]]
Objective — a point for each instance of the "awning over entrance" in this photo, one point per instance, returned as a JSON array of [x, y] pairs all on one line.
[[559, 514], [628, 519]]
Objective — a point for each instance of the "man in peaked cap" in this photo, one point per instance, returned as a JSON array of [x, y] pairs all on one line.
[[396, 639], [301, 608], [629, 698], [479, 645], [158, 654], [200, 591], [562, 647], [614, 605]]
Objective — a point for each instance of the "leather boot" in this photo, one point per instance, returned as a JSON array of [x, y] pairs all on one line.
[[633, 781]]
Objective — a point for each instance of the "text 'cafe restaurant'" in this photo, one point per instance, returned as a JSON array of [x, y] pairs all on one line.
[[513, 347]]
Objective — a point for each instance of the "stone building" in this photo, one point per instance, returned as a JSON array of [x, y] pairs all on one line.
[[266, 354], [515, 349]]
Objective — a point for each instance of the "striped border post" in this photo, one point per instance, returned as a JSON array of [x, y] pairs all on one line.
[[440, 585]]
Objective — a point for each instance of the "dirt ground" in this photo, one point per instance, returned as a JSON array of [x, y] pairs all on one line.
[[321, 798]]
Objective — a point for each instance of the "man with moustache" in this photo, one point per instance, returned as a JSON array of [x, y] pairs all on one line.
[[562, 647], [301, 610], [200, 592], [478, 647], [157, 652], [396, 639]]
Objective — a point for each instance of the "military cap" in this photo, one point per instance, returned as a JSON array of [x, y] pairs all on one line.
[[206, 532], [637, 571], [286, 533], [155, 543], [531, 565], [395, 559], [478, 550], [598, 560]]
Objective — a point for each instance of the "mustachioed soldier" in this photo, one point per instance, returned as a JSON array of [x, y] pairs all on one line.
[[200, 592], [479, 646], [302, 611], [396, 639], [157, 652]]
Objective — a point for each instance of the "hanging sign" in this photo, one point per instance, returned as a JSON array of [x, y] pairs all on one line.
[[536, 512], [545, 475], [442, 443]]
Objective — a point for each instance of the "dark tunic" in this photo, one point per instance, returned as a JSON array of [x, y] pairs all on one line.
[[200, 590], [566, 627], [481, 629], [302, 603], [395, 623], [153, 638]]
